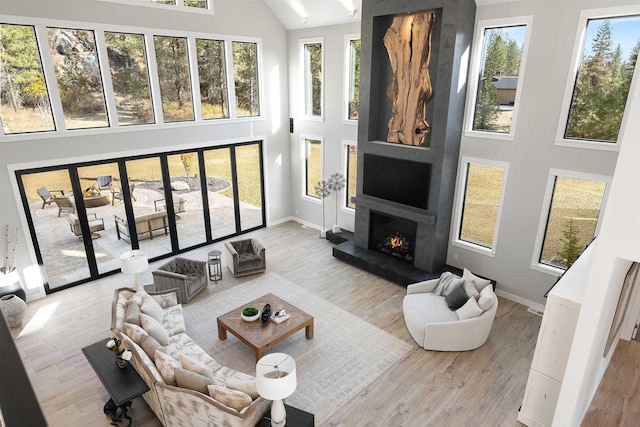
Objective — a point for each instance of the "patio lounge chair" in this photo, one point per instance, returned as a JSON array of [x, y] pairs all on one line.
[[65, 204], [46, 196], [105, 182], [118, 195]]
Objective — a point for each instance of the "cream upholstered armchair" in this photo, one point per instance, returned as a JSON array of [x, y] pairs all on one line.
[[245, 257], [435, 325], [188, 276]]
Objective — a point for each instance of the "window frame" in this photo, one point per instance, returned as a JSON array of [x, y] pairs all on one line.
[[179, 6], [303, 162], [461, 191], [578, 46], [344, 207], [348, 66], [40, 25], [303, 78], [476, 66], [546, 212]]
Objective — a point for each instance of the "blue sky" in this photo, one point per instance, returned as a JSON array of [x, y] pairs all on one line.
[[625, 31]]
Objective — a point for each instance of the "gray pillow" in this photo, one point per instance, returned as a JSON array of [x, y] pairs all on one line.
[[457, 298], [191, 380]]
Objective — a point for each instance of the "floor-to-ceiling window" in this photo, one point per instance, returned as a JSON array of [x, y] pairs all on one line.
[[83, 216]]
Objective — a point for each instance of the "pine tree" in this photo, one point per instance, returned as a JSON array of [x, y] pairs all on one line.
[[571, 243]]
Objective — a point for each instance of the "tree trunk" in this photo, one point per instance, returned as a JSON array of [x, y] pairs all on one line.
[[408, 43]]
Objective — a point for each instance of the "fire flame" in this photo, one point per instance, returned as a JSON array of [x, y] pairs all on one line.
[[396, 241]]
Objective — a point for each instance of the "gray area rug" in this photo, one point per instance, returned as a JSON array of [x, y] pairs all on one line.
[[345, 355]]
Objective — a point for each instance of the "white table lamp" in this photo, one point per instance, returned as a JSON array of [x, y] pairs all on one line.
[[276, 380], [134, 262]]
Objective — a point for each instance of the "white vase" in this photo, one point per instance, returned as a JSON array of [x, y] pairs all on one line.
[[13, 309]]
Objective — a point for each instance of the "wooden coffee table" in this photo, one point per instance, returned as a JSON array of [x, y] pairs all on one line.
[[260, 337]]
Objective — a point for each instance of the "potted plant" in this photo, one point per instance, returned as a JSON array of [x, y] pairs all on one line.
[[336, 183], [322, 190], [8, 273]]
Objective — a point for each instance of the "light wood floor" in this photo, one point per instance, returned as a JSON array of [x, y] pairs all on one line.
[[482, 387], [617, 401]]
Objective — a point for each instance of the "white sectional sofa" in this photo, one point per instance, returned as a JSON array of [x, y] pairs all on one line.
[[181, 375]]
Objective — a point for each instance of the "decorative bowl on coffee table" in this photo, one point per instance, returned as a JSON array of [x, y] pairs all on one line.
[[250, 314]]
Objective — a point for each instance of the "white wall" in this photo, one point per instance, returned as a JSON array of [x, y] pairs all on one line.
[[533, 152], [246, 18], [333, 128]]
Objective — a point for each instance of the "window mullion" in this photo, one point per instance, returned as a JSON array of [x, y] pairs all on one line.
[[50, 77], [231, 86], [195, 77], [156, 99], [107, 85]]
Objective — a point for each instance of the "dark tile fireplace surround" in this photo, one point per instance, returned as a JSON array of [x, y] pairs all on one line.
[[402, 188]]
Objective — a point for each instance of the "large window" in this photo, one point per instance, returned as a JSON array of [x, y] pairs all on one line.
[[213, 78], [245, 72], [312, 151], [24, 99], [75, 59], [129, 77], [606, 67], [497, 76], [483, 186], [574, 205], [353, 78], [351, 172], [174, 77], [98, 76], [312, 59]]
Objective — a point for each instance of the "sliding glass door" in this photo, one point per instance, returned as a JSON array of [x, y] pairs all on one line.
[[82, 217]]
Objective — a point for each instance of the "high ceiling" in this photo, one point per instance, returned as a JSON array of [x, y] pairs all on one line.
[[296, 14]]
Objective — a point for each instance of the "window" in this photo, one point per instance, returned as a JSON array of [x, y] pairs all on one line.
[[312, 59], [245, 68], [174, 77], [24, 99], [129, 77], [312, 165], [75, 59], [213, 79], [353, 78], [483, 186], [574, 205], [601, 86], [497, 76], [351, 164]]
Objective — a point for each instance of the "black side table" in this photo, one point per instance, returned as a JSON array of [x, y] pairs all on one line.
[[122, 384], [295, 418], [214, 264]]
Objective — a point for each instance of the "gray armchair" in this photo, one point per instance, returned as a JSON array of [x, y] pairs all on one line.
[[188, 276], [245, 257]]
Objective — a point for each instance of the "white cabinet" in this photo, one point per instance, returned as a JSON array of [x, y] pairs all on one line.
[[554, 344]]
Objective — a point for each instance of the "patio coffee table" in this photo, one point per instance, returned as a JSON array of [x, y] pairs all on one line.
[[260, 337]]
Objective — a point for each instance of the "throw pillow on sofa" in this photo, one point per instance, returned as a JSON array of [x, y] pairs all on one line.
[[457, 298], [486, 298], [134, 332], [149, 344], [448, 281], [191, 380], [167, 366], [193, 365], [246, 386], [151, 308], [471, 290], [132, 313], [469, 310], [154, 328], [477, 280], [235, 399]]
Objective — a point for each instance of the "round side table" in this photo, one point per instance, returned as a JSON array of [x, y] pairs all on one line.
[[214, 264]]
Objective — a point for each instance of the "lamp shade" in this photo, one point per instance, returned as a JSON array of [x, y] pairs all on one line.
[[134, 262], [276, 376]]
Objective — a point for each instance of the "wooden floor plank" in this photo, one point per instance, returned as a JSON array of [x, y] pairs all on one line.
[[481, 387]]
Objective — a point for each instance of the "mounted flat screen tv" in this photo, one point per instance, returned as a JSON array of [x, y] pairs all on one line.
[[397, 180]]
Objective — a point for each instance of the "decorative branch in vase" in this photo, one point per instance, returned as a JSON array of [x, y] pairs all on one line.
[[336, 183], [322, 190], [10, 243]]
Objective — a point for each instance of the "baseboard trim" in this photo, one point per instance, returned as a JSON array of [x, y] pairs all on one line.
[[520, 300]]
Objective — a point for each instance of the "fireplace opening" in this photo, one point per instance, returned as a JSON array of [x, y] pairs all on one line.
[[392, 236]]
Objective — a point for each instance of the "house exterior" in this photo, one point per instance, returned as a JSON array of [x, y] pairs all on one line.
[[532, 151]]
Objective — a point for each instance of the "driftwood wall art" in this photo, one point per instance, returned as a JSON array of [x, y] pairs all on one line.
[[408, 43]]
